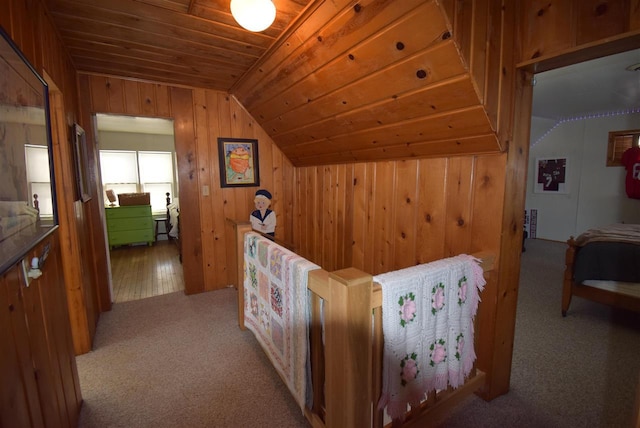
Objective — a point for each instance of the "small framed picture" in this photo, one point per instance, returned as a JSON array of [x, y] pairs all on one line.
[[551, 176], [238, 162]]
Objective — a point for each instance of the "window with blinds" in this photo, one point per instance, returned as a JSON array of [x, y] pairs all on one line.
[[139, 171], [619, 141]]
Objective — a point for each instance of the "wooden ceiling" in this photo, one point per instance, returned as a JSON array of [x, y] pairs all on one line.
[[331, 81], [183, 42]]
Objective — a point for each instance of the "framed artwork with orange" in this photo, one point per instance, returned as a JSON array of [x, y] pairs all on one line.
[[239, 165]]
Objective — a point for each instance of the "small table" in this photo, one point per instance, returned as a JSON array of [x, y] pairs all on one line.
[[166, 227]]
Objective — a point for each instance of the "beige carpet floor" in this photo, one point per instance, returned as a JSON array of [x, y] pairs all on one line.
[[181, 361]]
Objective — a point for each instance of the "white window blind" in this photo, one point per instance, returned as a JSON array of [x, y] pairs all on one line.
[[132, 172], [39, 178]]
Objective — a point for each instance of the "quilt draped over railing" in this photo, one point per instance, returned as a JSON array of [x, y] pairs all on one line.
[[276, 310], [427, 321]]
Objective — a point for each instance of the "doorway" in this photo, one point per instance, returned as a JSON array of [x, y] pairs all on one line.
[[137, 159]]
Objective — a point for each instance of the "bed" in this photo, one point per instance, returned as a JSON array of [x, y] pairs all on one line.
[[346, 350], [603, 265]]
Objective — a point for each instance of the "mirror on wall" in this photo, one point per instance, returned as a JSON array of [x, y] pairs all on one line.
[[27, 196]]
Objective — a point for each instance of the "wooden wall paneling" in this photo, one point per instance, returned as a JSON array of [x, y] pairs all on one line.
[[385, 183], [318, 231], [502, 49], [13, 395], [163, 102], [99, 95], [360, 214], [288, 186], [405, 206], [19, 388], [59, 335], [480, 54], [430, 220], [69, 239], [274, 181], [508, 272], [346, 213], [599, 19], [459, 199], [116, 96], [460, 16], [182, 106], [398, 41], [223, 264], [202, 110], [488, 191], [327, 215], [547, 26], [369, 219], [45, 364], [303, 205], [148, 102], [99, 251], [634, 15], [132, 101]]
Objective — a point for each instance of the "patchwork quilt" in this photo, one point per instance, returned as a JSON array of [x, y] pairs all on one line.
[[277, 310]]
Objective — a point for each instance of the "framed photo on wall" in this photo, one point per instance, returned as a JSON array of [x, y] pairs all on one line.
[[239, 165], [551, 176], [82, 163]]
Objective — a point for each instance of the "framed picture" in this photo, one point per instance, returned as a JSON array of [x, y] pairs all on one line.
[[238, 162], [82, 161], [28, 211], [551, 176]]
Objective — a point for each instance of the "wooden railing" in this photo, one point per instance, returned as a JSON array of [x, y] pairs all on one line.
[[347, 367]]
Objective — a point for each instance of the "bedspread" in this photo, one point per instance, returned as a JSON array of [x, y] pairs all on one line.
[[619, 232], [277, 310], [608, 253]]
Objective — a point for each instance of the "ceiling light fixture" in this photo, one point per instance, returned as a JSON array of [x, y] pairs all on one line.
[[254, 15]]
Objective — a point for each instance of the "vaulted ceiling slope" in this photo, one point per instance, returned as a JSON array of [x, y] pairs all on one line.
[[331, 81], [378, 80]]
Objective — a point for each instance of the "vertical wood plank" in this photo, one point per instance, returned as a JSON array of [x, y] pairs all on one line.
[[99, 97], [360, 220], [147, 99], [385, 182], [556, 17], [598, 19], [182, 102], [163, 104], [116, 96], [430, 221], [405, 211], [459, 198], [132, 101]]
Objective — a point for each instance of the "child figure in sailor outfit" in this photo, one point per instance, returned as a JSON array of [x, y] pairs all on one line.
[[263, 219]]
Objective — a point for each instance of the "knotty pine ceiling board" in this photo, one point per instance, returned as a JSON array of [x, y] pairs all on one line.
[[379, 81], [187, 42], [398, 41]]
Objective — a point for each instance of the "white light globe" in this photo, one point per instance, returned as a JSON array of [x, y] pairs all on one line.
[[254, 15]]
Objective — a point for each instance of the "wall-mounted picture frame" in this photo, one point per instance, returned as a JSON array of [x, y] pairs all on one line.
[[239, 166], [551, 175], [82, 163], [28, 210]]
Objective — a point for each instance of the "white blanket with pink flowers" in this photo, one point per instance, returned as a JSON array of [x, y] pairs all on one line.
[[427, 320]]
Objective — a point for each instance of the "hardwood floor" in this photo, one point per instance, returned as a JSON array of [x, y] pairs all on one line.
[[141, 271]]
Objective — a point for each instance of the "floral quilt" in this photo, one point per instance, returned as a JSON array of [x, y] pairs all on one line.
[[428, 313]]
